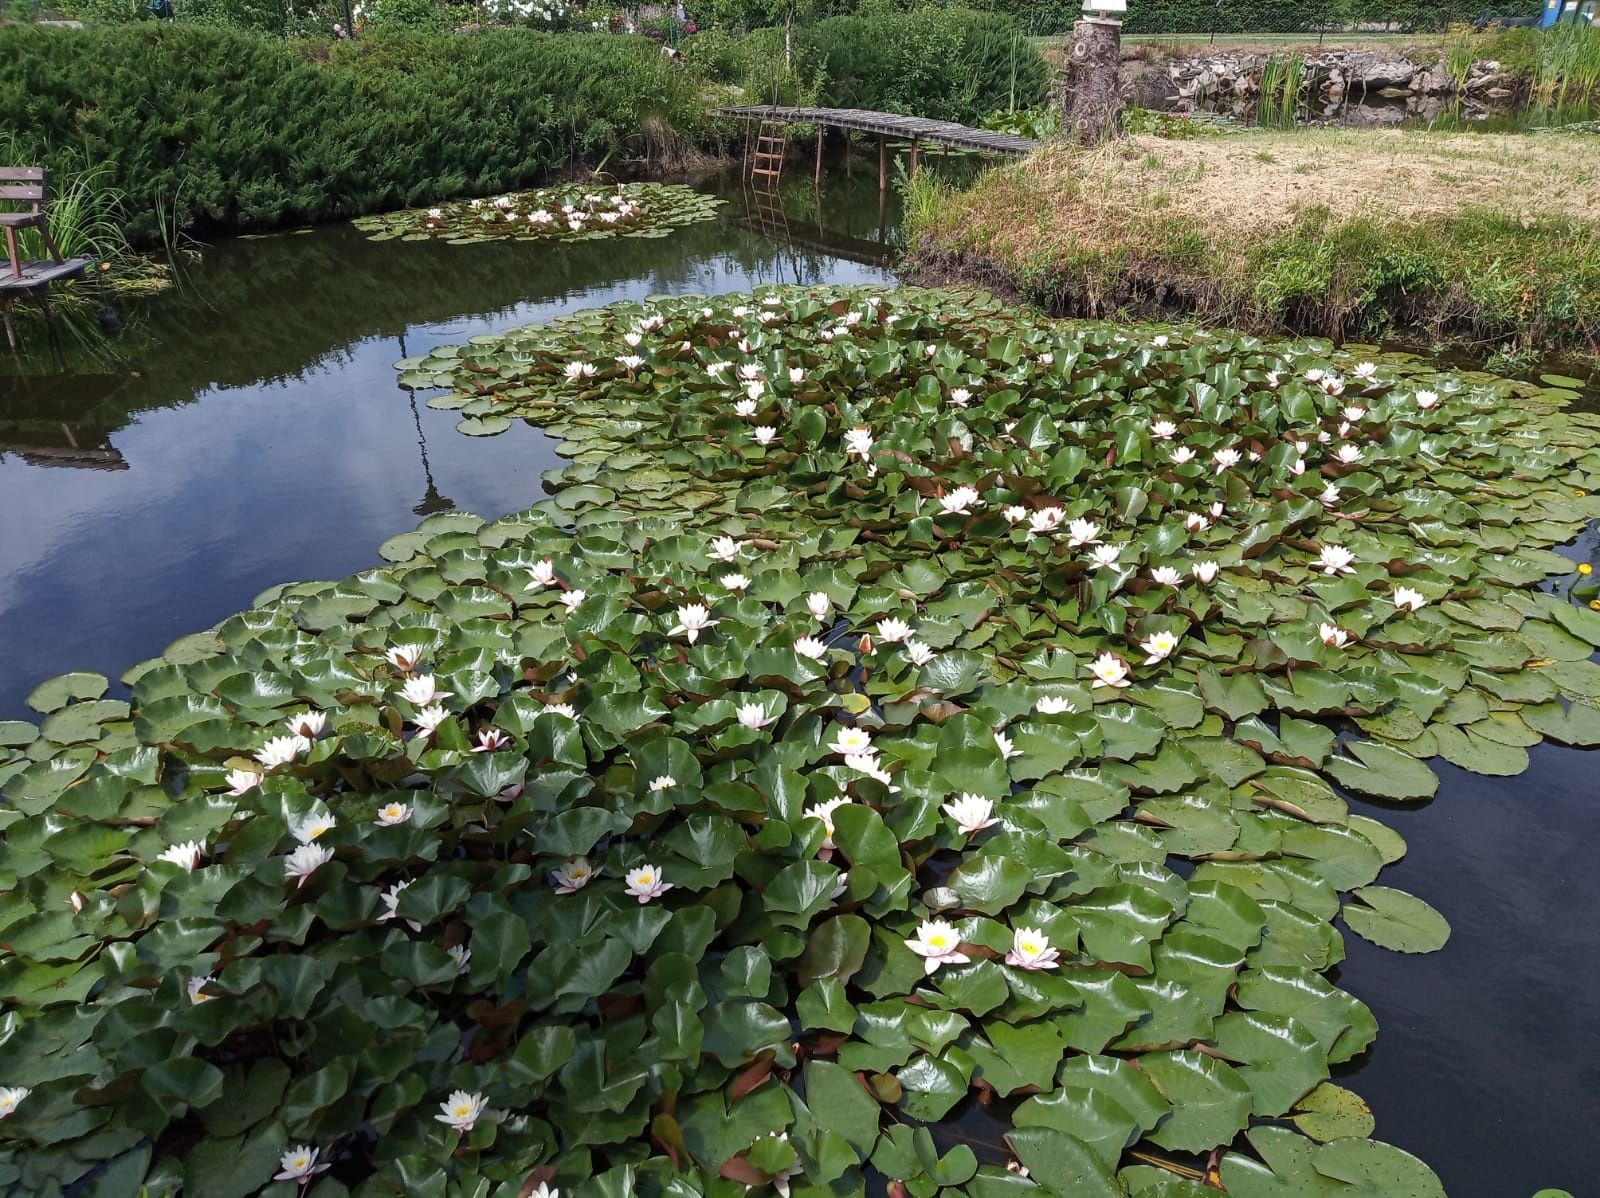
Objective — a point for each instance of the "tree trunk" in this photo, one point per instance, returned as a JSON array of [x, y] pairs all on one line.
[[1094, 91]]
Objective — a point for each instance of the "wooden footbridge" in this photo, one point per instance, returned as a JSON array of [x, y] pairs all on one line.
[[769, 146]]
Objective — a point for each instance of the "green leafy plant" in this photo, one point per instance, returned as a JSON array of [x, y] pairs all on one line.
[[575, 212], [813, 759]]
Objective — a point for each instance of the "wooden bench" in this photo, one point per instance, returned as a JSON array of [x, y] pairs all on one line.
[[25, 185]]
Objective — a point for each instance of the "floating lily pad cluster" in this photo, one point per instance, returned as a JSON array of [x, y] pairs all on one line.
[[570, 212], [881, 742]]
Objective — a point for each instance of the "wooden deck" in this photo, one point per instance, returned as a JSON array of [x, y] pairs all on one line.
[[37, 274], [888, 124]]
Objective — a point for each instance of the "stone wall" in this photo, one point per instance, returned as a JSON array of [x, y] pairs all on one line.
[[1331, 77]]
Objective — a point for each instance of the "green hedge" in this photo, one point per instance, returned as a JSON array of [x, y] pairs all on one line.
[[1264, 16], [949, 64], [225, 129]]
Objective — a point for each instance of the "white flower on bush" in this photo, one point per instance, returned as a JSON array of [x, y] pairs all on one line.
[[646, 883], [937, 943], [186, 856], [1030, 949], [572, 875], [461, 1111], [972, 813]]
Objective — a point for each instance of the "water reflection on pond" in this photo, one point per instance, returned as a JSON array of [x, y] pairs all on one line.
[[248, 431]]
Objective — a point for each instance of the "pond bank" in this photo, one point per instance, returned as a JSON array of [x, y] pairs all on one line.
[[1487, 242]]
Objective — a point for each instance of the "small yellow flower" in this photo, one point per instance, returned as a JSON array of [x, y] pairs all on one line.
[[1585, 568], [1594, 605]]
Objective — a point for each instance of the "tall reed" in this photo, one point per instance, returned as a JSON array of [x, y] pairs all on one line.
[[1568, 66], [1280, 90]]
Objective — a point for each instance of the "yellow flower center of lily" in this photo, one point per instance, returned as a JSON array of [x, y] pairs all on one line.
[[1030, 946], [299, 1162], [646, 877], [461, 1110], [1585, 568], [938, 940]]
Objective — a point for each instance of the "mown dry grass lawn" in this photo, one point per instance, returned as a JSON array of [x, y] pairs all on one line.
[[1477, 236]]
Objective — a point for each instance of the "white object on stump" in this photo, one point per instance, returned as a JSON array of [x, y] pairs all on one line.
[[1094, 92]]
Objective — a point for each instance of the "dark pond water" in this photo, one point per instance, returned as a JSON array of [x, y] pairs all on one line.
[[246, 430]]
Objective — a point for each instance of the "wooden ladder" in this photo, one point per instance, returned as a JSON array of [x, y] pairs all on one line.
[[766, 163]]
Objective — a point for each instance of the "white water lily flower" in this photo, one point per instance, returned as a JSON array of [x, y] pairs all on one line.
[[972, 813], [1332, 385], [186, 856], [764, 434], [1427, 400], [281, 750], [735, 582], [744, 408], [1407, 599], [1082, 532], [1353, 413], [959, 502], [1007, 749], [565, 709], [819, 605], [1323, 436], [578, 370], [1046, 520], [405, 658], [1163, 430], [308, 828], [11, 1097], [797, 375], [919, 653], [1196, 522], [573, 875], [1274, 378], [1226, 459], [491, 740], [1366, 371], [1015, 513], [937, 943], [240, 781], [858, 442], [1158, 647], [1335, 559], [960, 397], [750, 371], [1161, 341], [541, 574], [1167, 576], [391, 814], [462, 955], [308, 724], [893, 631], [1054, 705], [461, 1111], [724, 549], [195, 988], [1298, 466], [1333, 636], [1105, 556], [429, 718], [869, 764], [929, 351], [630, 362], [646, 883], [851, 740], [1182, 455], [810, 646], [1344, 428], [391, 905], [1329, 496], [1047, 359], [1349, 454], [664, 782], [1205, 572], [754, 715], [423, 690], [693, 619], [573, 598], [1314, 375], [1110, 670], [824, 813], [1030, 949], [305, 861]]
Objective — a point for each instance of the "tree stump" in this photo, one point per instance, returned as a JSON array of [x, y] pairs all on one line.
[[1093, 111]]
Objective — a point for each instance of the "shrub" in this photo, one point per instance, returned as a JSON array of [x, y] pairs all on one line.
[[225, 129]]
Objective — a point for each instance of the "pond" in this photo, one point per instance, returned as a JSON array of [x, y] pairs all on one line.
[[247, 431]]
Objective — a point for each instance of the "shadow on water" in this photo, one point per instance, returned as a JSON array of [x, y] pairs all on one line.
[[247, 430]]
